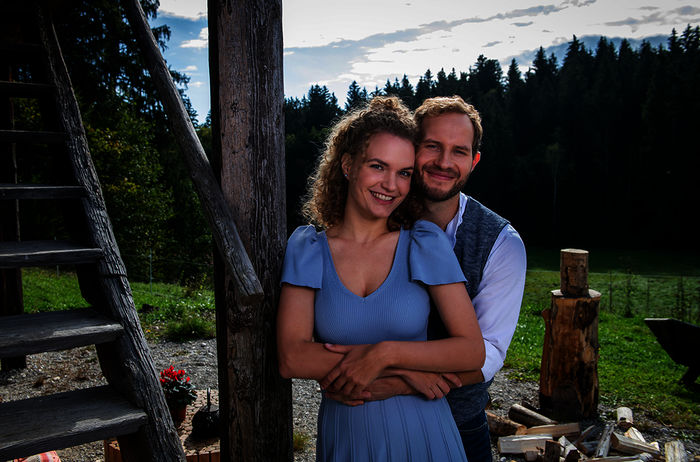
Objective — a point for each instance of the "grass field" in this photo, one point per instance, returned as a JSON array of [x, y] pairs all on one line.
[[634, 370]]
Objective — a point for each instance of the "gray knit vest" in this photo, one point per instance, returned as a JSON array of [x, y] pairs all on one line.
[[476, 235]]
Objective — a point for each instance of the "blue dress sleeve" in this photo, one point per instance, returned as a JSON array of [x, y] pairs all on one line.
[[432, 259], [303, 259]]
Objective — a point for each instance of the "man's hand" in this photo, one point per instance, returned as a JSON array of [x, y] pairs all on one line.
[[432, 385]]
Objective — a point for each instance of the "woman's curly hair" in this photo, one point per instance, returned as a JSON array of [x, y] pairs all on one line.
[[328, 189]]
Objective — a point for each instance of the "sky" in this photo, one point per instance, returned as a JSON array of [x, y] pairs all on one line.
[[335, 42]]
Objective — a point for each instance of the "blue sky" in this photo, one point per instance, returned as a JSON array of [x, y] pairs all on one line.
[[335, 42]]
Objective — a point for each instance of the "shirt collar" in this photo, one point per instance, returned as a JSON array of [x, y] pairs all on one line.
[[451, 229]]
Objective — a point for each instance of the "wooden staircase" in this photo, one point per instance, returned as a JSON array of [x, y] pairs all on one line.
[[132, 407]]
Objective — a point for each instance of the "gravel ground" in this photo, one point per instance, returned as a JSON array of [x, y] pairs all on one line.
[[58, 371]]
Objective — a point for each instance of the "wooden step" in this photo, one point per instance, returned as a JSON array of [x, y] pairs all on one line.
[[27, 334], [24, 89], [45, 253], [40, 191], [31, 136], [21, 52], [35, 425]]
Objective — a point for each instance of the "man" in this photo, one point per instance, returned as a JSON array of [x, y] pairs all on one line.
[[491, 254], [490, 251]]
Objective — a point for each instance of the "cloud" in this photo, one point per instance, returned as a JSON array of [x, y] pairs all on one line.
[[201, 42], [196, 84], [190, 68], [659, 17], [523, 24], [187, 9], [491, 44]]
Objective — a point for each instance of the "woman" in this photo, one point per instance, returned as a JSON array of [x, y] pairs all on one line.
[[366, 280]]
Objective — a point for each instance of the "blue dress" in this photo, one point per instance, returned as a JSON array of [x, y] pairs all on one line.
[[401, 428]]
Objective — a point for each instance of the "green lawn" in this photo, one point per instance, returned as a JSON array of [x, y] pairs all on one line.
[[634, 370]]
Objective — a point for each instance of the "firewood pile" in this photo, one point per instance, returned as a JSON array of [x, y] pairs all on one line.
[[527, 434]]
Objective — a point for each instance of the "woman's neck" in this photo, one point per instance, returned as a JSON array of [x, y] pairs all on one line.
[[359, 229]]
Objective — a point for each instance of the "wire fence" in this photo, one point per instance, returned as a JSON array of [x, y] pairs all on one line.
[[627, 294]]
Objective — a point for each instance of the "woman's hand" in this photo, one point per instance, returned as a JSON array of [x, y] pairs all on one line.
[[360, 366]]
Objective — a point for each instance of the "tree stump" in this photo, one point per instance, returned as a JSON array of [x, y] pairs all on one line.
[[569, 368]]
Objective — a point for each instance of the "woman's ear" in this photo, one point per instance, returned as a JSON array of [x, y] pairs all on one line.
[[346, 164]]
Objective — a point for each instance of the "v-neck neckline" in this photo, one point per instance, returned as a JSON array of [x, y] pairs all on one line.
[[384, 282]]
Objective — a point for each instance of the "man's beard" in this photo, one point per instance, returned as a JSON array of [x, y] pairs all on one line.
[[437, 195]]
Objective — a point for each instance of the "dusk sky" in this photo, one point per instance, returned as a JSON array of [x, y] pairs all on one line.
[[335, 42]]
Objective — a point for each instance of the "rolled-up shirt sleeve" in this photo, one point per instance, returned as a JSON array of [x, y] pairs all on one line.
[[499, 296]]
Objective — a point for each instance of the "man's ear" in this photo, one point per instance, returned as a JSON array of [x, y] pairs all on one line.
[[476, 159]]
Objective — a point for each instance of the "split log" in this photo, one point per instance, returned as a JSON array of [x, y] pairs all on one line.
[[500, 426], [635, 434], [638, 458], [532, 456], [625, 417], [520, 444], [604, 442], [527, 417], [569, 367], [569, 452], [579, 443], [675, 452], [552, 451], [556, 430], [626, 445]]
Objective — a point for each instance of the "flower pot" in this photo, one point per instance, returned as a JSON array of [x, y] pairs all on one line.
[[178, 412]]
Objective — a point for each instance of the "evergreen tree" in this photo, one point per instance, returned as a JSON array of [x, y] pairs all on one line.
[[356, 97]]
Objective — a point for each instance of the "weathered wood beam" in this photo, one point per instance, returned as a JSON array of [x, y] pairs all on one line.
[[626, 445], [248, 287], [556, 430], [127, 363], [520, 444], [675, 452], [604, 441], [501, 426]]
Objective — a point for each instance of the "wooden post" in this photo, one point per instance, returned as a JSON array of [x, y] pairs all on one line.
[[245, 62], [569, 369]]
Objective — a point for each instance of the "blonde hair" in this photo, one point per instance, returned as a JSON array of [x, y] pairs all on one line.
[[328, 189], [433, 107]]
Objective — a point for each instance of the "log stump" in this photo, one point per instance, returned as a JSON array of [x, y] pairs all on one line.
[[569, 368]]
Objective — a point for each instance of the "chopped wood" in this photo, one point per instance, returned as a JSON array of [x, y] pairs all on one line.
[[574, 272], [520, 444], [638, 458], [556, 430], [579, 442], [624, 417], [501, 426], [532, 456], [635, 434], [627, 445], [528, 417], [675, 452], [569, 452], [552, 451], [604, 442]]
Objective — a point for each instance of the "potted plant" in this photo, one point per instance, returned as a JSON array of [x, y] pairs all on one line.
[[178, 390]]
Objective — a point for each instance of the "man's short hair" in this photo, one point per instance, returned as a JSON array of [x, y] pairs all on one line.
[[433, 107]]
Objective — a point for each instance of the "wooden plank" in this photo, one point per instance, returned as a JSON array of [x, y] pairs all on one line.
[[45, 253], [528, 417], [635, 434], [520, 444], [39, 191], [675, 452], [556, 430], [211, 197], [57, 330], [604, 442], [625, 445], [25, 89], [552, 451], [31, 136], [638, 458], [73, 418]]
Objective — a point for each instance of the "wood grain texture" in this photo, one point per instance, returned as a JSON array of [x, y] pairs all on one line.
[[75, 417], [38, 191], [57, 330], [46, 253]]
